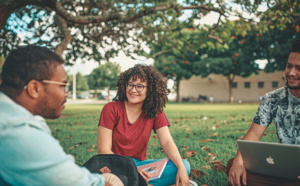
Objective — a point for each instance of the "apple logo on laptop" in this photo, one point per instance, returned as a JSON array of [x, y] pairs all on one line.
[[270, 160]]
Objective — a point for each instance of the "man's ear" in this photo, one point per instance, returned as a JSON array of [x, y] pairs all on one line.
[[34, 88]]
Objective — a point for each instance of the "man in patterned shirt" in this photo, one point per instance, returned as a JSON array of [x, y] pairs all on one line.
[[283, 107]]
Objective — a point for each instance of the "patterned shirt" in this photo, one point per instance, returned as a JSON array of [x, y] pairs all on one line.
[[283, 108]]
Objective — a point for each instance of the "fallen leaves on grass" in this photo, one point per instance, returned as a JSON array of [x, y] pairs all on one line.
[[190, 153], [197, 173], [217, 161], [219, 167], [74, 146], [205, 149], [206, 140], [211, 156], [92, 148], [69, 137], [206, 158], [205, 167], [78, 123], [240, 137], [185, 148], [80, 143], [213, 134]]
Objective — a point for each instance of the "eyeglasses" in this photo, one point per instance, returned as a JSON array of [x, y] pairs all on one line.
[[66, 85], [138, 87]]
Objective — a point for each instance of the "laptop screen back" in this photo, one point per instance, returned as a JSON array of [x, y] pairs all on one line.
[[274, 159]]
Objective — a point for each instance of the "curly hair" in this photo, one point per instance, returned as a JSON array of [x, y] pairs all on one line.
[[157, 88]]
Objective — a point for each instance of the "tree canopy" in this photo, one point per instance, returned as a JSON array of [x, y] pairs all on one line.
[[81, 82], [104, 76], [98, 29]]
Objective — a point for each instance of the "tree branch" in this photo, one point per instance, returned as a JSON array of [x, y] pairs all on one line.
[[61, 23], [159, 53]]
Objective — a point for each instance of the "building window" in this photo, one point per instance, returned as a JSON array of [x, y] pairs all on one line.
[[234, 85], [247, 85], [260, 84], [274, 84]]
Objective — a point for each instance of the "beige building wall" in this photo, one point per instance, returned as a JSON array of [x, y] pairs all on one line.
[[217, 86]]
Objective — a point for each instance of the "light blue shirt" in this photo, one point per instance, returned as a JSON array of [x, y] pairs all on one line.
[[30, 155]]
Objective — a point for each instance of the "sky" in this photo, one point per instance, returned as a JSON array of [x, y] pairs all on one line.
[[124, 61]]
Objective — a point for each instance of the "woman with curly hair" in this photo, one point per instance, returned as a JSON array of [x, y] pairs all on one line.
[[126, 124]]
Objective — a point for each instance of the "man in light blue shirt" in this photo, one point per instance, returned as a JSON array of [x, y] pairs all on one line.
[[33, 88]]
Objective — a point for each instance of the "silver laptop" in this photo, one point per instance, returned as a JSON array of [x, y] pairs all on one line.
[[274, 159]]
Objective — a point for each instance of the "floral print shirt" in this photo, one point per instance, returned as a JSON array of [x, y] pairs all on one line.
[[283, 108]]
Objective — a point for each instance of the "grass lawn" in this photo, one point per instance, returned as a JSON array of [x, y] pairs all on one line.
[[205, 135]]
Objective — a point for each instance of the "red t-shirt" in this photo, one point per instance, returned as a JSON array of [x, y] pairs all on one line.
[[129, 139]]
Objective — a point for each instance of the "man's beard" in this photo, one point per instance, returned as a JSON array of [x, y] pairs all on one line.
[[290, 87]]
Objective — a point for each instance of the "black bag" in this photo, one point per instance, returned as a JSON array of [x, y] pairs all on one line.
[[122, 166]]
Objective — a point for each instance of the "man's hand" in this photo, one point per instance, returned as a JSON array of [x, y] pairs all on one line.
[[145, 175], [298, 177], [236, 172]]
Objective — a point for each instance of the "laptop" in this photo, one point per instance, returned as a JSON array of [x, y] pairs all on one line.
[[274, 159]]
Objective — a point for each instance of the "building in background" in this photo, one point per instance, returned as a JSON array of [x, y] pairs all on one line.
[[251, 89]]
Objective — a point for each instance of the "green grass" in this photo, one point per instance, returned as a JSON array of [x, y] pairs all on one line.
[[190, 124]]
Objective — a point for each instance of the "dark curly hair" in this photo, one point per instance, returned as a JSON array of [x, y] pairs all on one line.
[[157, 88]]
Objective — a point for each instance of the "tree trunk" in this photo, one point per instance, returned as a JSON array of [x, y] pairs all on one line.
[[177, 91], [230, 92], [96, 94], [230, 81], [108, 94], [74, 86]]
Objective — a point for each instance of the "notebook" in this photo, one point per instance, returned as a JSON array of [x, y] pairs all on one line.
[[155, 168], [274, 159]]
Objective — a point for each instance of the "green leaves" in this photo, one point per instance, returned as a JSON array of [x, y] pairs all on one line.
[[106, 75]]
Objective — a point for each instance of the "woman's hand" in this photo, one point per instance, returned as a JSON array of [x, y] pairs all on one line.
[[182, 177], [145, 175]]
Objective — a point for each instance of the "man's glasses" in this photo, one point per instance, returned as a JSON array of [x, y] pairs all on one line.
[[66, 85], [138, 87]]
